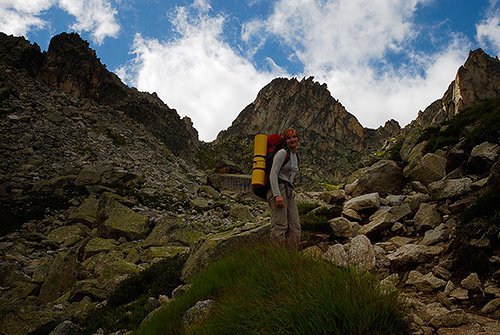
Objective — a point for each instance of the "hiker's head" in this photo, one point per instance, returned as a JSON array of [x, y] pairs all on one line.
[[291, 137]]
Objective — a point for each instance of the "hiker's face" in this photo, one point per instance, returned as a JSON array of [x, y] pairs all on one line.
[[292, 141]]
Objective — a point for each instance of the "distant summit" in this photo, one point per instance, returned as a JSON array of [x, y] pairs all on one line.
[[71, 66]]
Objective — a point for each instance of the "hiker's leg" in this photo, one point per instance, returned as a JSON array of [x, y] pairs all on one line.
[[279, 224], [294, 230]]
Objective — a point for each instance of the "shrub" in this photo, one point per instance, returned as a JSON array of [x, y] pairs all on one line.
[[317, 219], [264, 290], [475, 124]]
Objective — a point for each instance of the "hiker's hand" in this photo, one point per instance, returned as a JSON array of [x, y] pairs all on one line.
[[279, 201]]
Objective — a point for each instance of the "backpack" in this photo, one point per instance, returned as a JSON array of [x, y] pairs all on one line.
[[275, 142]]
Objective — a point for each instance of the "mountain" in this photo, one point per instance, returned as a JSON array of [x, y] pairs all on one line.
[[332, 139], [477, 79], [101, 217], [70, 66]]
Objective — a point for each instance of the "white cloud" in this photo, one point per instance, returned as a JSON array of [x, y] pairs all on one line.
[[488, 30], [95, 16], [17, 17], [345, 44], [198, 73]]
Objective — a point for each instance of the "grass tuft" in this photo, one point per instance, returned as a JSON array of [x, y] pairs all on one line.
[[265, 290]]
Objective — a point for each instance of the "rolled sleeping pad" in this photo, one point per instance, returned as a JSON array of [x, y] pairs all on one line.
[[259, 160]]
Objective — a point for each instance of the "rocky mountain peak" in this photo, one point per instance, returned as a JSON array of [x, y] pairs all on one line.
[[72, 67], [332, 139], [477, 79]]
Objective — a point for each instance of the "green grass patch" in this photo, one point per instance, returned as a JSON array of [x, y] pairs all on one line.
[[317, 220], [264, 290]]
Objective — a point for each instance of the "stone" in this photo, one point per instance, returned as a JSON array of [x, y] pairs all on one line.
[[429, 169], [450, 188], [197, 314], [86, 213], [362, 202], [459, 293], [341, 227], [379, 221], [482, 158], [66, 328], [453, 318], [337, 255], [433, 236], [351, 214], [166, 251], [427, 217], [415, 200], [240, 212], [425, 283], [120, 221], [491, 307], [361, 253], [413, 253], [219, 244], [333, 197], [62, 275], [98, 245], [384, 177], [313, 251], [441, 272], [66, 235], [471, 282]]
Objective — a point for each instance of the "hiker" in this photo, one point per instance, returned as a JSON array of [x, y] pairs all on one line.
[[285, 226]]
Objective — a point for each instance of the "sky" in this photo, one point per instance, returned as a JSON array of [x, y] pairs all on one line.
[[208, 59]]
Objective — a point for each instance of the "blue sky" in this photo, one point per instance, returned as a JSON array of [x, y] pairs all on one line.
[[382, 59]]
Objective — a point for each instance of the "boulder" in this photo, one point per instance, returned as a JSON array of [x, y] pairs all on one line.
[[240, 212], [341, 227], [450, 188], [413, 253], [333, 197], [361, 253], [362, 202], [379, 221], [98, 245], [429, 169], [66, 235], [216, 245], [425, 283], [166, 251], [337, 255], [384, 177], [61, 277], [117, 220], [482, 158], [173, 231], [86, 213], [427, 217]]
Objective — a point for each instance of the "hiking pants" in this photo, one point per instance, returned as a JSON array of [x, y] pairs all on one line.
[[285, 226]]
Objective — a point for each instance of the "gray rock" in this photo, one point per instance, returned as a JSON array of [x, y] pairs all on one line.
[[365, 201], [341, 227], [219, 244], [429, 169], [383, 177], [361, 253], [337, 255], [433, 236], [66, 328], [471, 282], [413, 253], [427, 217], [450, 188], [196, 314], [454, 318], [61, 277]]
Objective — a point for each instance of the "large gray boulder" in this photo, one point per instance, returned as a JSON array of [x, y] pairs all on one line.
[[362, 202], [450, 188], [217, 245], [384, 177], [430, 168]]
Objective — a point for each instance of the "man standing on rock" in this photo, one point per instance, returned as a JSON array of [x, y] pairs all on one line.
[[285, 226]]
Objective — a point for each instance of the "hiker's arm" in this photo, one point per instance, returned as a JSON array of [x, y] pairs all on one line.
[[278, 161]]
